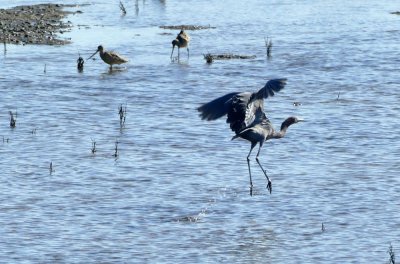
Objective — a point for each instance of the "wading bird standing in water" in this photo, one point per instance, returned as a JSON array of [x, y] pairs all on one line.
[[109, 57], [182, 41], [247, 118]]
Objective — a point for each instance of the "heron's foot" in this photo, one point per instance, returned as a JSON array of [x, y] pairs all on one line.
[[269, 186]]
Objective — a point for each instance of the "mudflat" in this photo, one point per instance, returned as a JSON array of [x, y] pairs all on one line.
[[35, 24]]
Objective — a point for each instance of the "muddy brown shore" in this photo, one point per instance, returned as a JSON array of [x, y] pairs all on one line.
[[35, 24]]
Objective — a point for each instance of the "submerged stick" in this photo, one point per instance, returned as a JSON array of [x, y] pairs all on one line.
[[392, 258], [93, 147], [12, 119], [122, 7], [80, 62], [51, 168], [268, 45], [116, 154], [122, 115]]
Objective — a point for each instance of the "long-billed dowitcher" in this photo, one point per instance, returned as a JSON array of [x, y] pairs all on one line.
[[109, 57], [182, 41], [247, 118]]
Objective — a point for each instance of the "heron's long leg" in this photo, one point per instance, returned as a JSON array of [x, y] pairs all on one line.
[[248, 165], [172, 52], [188, 51], [269, 185]]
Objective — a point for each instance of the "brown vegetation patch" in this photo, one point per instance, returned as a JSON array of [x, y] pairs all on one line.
[[227, 56], [187, 27]]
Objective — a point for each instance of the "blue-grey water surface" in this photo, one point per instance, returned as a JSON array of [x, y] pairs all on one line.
[[178, 192]]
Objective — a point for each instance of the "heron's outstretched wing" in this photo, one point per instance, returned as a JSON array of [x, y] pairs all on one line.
[[243, 109], [247, 109], [272, 86], [216, 108]]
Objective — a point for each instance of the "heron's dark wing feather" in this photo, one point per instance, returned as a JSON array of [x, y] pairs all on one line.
[[216, 108], [254, 112], [237, 107], [272, 86]]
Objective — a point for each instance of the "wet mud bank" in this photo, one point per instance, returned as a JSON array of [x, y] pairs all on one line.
[[35, 24]]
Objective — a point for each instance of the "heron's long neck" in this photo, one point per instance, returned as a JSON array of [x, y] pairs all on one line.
[[280, 134]]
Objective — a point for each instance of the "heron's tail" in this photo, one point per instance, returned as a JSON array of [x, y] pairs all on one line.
[[242, 133]]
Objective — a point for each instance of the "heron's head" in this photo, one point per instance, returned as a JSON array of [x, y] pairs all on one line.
[[290, 121]]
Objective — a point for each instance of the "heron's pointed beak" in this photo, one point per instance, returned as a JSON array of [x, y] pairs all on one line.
[[93, 54], [300, 120]]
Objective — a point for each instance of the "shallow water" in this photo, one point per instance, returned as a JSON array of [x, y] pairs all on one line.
[[178, 191]]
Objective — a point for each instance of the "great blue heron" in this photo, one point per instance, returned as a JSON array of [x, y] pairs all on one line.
[[247, 118], [109, 57], [182, 41]]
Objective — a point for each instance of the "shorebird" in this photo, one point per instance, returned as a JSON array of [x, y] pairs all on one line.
[[109, 57], [182, 40], [247, 118]]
